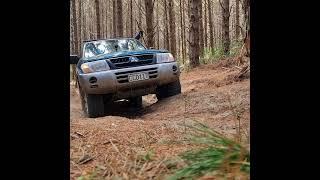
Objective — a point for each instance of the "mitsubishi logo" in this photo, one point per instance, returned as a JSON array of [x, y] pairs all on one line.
[[133, 59]]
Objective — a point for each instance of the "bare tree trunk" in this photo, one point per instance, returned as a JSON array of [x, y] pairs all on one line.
[[158, 29], [119, 19], [131, 18], [237, 21], [92, 21], [210, 25], [246, 7], [167, 45], [201, 43], [182, 31], [114, 18], [149, 22], [84, 20], [194, 32], [140, 15], [164, 25], [106, 20], [110, 22], [225, 26], [80, 26], [205, 25], [96, 2], [75, 35], [172, 28]]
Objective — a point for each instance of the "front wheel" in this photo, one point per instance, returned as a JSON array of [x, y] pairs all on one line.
[[168, 90], [92, 104], [136, 102]]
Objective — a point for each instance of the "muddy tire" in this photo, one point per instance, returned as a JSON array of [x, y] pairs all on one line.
[[168, 90], [136, 102], [92, 104]]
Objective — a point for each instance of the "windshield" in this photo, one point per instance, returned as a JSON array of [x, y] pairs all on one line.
[[96, 48]]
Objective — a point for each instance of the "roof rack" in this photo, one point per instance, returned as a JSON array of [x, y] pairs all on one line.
[[90, 40]]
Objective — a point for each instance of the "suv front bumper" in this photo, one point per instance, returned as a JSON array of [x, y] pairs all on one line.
[[116, 81]]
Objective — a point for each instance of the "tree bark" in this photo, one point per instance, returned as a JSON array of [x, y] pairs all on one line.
[[205, 25], [158, 27], [119, 19], [210, 25], [172, 28], [114, 18], [140, 15], [97, 5], [246, 8], [167, 44], [131, 18], [194, 33], [225, 26], [201, 43], [75, 35], [74, 24], [182, 30], [110, 21], [149, 22], [237, 21], [80, 26]]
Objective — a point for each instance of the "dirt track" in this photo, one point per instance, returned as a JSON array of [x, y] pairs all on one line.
[[207, 96]]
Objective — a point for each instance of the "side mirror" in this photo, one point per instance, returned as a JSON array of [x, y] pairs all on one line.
[[74, 59], [139, 35]]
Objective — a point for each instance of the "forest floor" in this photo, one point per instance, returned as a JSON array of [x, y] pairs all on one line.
[[132, 144]]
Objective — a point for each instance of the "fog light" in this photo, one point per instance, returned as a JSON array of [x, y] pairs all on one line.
[[93, 80], [174, 68]]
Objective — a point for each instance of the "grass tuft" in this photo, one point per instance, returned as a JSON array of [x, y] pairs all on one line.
[[217, 153]]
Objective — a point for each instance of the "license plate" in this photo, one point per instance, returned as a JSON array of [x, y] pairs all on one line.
[[138, 77]]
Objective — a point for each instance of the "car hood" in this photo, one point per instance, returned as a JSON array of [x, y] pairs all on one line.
[[124, 53]]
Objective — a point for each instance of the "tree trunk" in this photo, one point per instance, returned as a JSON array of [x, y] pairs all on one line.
[[205, 25], [158, 25], [164, 25], [80, 26], [210, 25], [167, 44], [237, 21], [131, 19], [172, 28], [225, 26], [106, 16], [246, 7], [110, 22], [149, 22], [140, 15], [119, 19], [194, 32], [182, 31], [114, 18], [75, 35], [96, 2], [201, 43]]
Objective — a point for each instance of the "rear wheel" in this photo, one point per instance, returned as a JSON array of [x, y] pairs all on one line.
[[168, 90], [92, 104], [136, 101]]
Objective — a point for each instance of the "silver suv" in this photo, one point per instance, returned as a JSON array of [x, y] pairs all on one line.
[[123, 68]]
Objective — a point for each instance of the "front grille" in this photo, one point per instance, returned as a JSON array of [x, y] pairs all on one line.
[[124, 62], [122, 77]]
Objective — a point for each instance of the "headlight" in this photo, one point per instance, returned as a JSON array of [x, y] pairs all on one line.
[[95, 66], [164, 57]]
